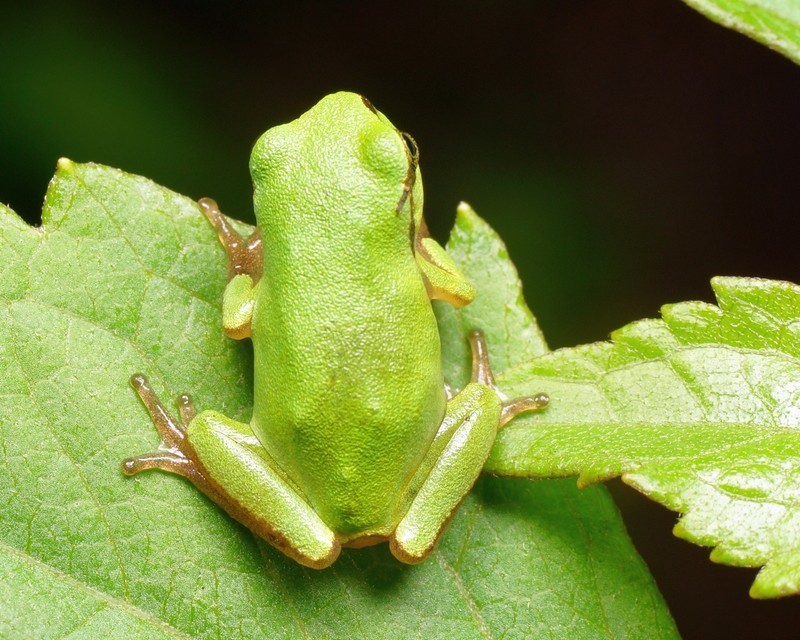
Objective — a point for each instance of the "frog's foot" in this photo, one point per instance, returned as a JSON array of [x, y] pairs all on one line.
[[244, 254], [176, 455], [482, 374], [222, 458]]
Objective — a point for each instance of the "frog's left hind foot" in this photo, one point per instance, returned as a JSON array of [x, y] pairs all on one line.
[[223, 458], [177, 456]]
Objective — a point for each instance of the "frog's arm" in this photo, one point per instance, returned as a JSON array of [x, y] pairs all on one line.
[[237, 306], [245, 263], [443, 279], [245, 255]]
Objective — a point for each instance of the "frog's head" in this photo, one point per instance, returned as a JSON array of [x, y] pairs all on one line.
[[341, 158]]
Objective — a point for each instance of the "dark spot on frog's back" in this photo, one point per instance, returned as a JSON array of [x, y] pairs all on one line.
[[369, 105]]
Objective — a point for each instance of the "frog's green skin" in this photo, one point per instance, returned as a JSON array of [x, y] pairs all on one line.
[[353, 439]]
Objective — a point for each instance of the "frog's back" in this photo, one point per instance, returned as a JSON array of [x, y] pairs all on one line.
[[349, 390]]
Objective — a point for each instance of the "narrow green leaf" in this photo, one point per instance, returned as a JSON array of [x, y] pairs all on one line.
[[775, 23], [126, 276], [700, 411]]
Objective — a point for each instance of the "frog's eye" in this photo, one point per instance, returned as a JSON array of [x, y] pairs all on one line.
[[412, 153], [381, 151]]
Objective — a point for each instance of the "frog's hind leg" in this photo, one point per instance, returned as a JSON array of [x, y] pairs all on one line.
[[456, 456], [223, 458]]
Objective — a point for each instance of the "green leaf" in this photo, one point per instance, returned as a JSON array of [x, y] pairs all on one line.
[[29, 588], [700, 411], [125, 276], [498, 309], [775, 23]]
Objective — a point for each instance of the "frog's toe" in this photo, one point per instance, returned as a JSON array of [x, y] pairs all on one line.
[[164, 460], [515, 406], [172, 432], [482, 374]]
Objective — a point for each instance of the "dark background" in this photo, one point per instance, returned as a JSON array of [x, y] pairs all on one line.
[[626, 151]]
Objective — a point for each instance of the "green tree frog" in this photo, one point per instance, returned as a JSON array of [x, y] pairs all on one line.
[[355, 437]]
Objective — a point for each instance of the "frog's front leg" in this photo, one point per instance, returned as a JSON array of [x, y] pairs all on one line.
[[224, 459], [456, 457], [245, 255]]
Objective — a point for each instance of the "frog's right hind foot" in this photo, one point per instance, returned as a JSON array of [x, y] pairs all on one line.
[[482, 374]]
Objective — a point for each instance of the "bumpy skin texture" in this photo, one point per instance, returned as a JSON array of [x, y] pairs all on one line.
[[353, 440], [348, 384]]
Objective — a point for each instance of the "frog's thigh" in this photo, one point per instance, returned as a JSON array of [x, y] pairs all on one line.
[[455, 460], [253, 492]]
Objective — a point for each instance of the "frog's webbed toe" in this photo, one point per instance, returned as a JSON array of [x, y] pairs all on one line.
[[175, 455]]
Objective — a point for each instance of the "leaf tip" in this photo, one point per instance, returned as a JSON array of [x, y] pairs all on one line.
[[64, 164], [464, 209], [466, 216], [779, 578], [591, 475], [767, 590], [680, 531], [757, 593]]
